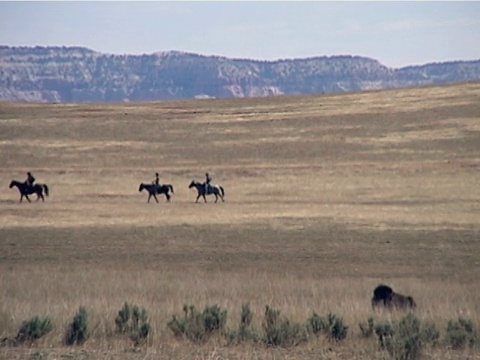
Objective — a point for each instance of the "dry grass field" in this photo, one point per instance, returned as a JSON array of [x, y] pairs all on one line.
[[326, 197]]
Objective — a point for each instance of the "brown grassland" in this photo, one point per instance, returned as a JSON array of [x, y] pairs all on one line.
[[326, 197]]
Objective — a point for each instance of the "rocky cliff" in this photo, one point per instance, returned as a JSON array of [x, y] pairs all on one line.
[[75, 74]]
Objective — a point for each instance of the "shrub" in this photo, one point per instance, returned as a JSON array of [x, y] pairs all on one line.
[[244, 332], [402, 339], [246, 316], [121, 321], [279, 331], [134, 321], [140, 327], [316, 324], [214, 318], [332, 326], [198, 326], [430, 334], [367, 329], [383, 330], [460, 333], [336, 329], [178, 327], [34, 329], [77, 331]]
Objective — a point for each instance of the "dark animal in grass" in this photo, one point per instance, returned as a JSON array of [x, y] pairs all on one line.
[[384, 296]]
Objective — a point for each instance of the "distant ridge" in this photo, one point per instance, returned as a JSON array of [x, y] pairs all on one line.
[[78, 74]]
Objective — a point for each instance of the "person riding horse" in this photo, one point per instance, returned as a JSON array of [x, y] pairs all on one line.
[[30, 179], [208, 179], [28, 187], [156, 181], [214, 189]]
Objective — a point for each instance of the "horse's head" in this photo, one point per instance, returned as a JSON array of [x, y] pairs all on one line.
[[12, 184], [192, 184], [141, 187]]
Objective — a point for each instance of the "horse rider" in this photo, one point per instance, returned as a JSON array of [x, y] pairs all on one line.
[[208, 179], [156, 181], [30, 179]]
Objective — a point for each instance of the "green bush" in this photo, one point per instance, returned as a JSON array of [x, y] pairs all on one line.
[[336, 329], [460, 333], [198, 326], [244, 332], [430, 334], [34, 329], [214, 318], [367, 328], [121, 321], [132, 320], [383, 330], [140, 327], [402, 339], [332, 326], [77, 331], [316, 324], [246, 316], [279, 331]]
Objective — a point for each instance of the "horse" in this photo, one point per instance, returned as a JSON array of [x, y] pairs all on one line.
[[216, 190], [153, 190], [26, 190]]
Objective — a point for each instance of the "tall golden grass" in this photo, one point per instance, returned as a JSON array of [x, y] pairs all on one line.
[[326, 196]]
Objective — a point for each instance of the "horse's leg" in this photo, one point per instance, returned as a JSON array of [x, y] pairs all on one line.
[[198, 197], [155, 196], [204, 198], [167, 196], [26, 196], [216, 197]]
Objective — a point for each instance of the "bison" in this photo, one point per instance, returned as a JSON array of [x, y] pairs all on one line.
[[384, 295]]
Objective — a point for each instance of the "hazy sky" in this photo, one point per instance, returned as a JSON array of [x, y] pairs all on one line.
[[395, 33]]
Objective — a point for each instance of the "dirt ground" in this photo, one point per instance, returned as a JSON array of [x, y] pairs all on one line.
[[326, 196]]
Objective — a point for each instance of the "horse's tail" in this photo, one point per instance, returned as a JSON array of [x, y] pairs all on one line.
[[223, 191], [45, 188]]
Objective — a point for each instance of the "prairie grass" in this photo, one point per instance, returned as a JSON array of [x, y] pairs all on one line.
[[326, 197]]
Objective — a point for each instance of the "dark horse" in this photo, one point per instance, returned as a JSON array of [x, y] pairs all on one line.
[[216, 190], [153, 190], [26, 190]]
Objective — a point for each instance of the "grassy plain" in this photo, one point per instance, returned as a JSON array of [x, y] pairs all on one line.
[[326, 196]]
